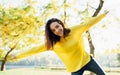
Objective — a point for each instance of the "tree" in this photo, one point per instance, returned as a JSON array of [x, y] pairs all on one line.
[[16, 24], [88, 32]]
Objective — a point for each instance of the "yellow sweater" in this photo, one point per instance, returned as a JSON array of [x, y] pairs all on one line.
[[70, 49]]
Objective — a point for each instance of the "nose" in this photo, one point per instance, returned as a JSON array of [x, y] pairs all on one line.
[[57, 30]]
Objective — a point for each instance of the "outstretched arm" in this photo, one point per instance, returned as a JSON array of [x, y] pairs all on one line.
[[85, 26], [31, 51]]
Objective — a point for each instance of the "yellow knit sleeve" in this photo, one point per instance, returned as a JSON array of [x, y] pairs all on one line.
[[31, 51], [85, 26]]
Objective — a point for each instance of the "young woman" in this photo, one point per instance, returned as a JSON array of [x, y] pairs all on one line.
[[68, 44]]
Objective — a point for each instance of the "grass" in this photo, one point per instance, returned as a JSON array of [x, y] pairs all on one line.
[[36, 71]]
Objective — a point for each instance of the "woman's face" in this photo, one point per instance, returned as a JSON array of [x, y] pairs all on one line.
[[57, 29]]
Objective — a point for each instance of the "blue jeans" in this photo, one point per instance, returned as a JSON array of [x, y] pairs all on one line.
[[91, 66]]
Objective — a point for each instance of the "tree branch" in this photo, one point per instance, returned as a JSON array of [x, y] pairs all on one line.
[[98, 9]]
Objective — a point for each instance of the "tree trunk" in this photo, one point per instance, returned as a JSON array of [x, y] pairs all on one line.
[[65, 12], [88, 32], [5, 59]]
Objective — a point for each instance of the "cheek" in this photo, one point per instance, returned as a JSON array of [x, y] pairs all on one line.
[[53, 32], [62, 28]]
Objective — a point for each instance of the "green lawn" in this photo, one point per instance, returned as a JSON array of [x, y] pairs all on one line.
[[35, 71]]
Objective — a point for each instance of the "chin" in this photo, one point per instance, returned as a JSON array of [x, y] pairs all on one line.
[[61, 35]]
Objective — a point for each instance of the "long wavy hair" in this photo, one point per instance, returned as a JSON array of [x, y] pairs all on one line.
[[51, 38]]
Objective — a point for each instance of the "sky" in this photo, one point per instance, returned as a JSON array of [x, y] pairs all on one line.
[[103, 39]]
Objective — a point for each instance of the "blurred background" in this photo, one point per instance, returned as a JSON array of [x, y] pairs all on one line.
[[22, 28]]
